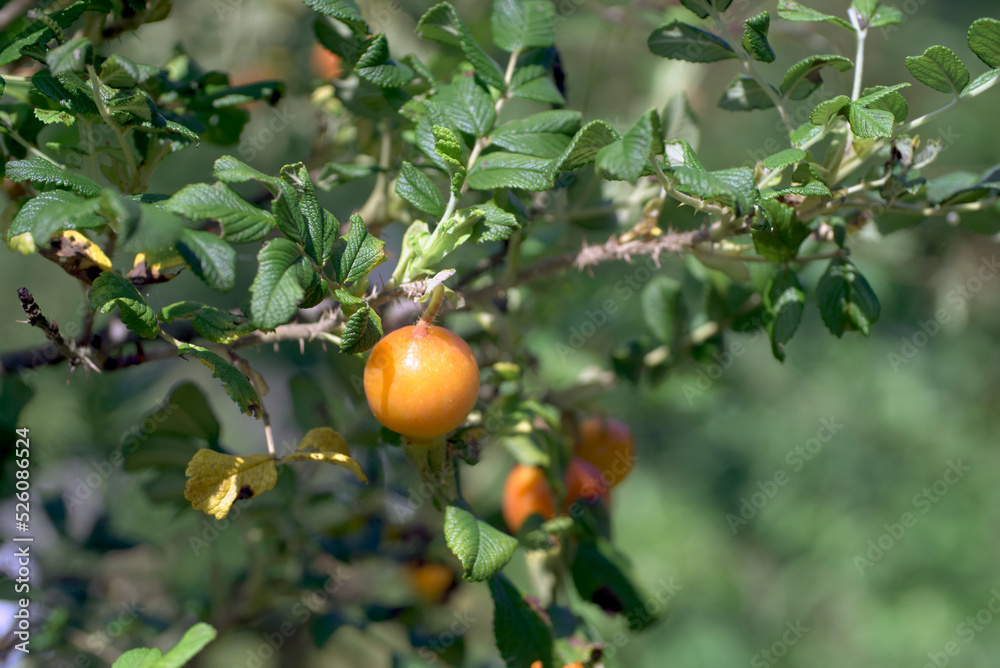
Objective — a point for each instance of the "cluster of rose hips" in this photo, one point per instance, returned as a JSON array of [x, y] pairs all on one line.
[[422, 381]]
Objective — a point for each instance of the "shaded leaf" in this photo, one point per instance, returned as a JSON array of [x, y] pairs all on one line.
[[357, 253], [210, 258], [680, 41], [40, 170], [523, 24], [785, 300], [237, 385], [522, 637], [241, 221], [983, 38], [419, 190], [802, 78], [111, 291], [845, 299], [755, 37]]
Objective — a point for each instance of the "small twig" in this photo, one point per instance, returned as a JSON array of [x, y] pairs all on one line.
[[37, 319]]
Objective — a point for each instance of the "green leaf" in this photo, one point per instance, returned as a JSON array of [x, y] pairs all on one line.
[[878, 93], [68, 90], [111, 290], [884, 16], [467, 105], [210, 258], [982, 81], [521, 635], [846, 300], [241, 221], [442, 24], [237, 385], [49, 116], [740, 185], [664, 309], [585, 146], [184, 309], [510, 170], [192, 642], [804, 133], [785, 301], [698, 7], [118, 71], [539, 89], [361, 332], [940, 69], [230, 170], [54, 211], [71, 56], [892, 101], [221, 327], [320, 227], [755, 37], [128, 104], [38, 32], [744, 94], [783, 159], [546, 134], [345, 11], [279, 285], [866, 122], [603, 576], [984, 40], [680, 41], [523, 24], [375, 66], [419, 190], [141, 657], [448, 147], [680, 154], [811, 189], [40, 170], [626, 158], [793, 11], [495, 224], [483, 550], [826, 110], [779, 241], [356, 253], [802, 78]]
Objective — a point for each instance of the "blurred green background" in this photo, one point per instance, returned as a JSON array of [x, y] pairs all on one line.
[[704, 446]]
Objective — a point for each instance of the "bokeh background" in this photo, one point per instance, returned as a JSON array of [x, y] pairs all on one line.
[[799, 579]]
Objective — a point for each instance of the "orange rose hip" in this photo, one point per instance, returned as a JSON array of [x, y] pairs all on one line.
[[526, 492], [421, 381]]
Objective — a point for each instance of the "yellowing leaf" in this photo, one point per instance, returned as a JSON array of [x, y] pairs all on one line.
[[22, 243], [76, 254], [216, 480], [325, 445], [156, 266]]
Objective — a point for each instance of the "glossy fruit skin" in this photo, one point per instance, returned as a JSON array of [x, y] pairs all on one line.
[[583, 482], [577, 664], [421, 381], [609, 445], [526, 492]]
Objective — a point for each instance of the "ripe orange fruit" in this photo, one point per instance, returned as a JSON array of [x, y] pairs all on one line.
[[526, 492], [421, 381], [431, 581], [609, 445], [325, 64], [576, 664], [583, 481]]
